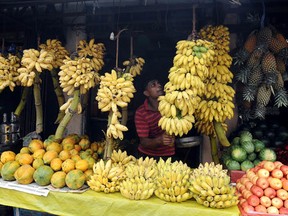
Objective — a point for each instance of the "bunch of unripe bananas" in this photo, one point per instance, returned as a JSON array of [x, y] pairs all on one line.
[[34, 61], [140, 179], [185, 87], [135, 65], [8, 72], [172, 181], [92, 50], [115, 91], [77, 74], [106, 177], [55, 46], [211, 187]]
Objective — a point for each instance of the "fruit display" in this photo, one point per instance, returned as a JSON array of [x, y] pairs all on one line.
[[210, 186], [173, 181], [263, 189], [246, 152], [262, 63], [8, 71], [66, 163]]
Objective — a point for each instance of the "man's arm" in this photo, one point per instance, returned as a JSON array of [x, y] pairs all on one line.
[[153, 143]]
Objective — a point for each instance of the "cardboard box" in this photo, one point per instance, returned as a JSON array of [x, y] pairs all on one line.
[[236, 174]]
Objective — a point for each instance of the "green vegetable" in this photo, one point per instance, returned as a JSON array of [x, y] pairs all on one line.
[[245, 165], [256, 162], [238, 154], [245, 136], [258, 145], [252, 156], [236, 141], [267, 154], [248, 146]]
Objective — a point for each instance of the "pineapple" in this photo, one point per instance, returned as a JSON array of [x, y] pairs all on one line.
[[260, 112], [243, 75], [250, 43], [279, 84], [281, 67], [249, 93], [263, 95], [255, 58], [264, 37], [269, 63], [276, 45], [281, 98], [255, 77]]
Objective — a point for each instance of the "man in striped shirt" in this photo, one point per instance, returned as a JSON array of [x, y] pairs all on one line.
[[154, 142]]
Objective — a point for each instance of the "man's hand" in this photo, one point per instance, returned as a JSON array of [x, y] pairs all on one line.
[[168, 139]]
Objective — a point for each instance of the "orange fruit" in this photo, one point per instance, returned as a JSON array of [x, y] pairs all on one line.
[[24, 149], [58, 179], [39, 153], [35, 144], [54, 146], [24, 158], [75, 158], [49, 156], [94, 146], [88, 173], [75, 179], [68, 165], [37, 163], [82, 165], [64, 155], [84, 143], [77, 147], [7, 156], [74, 152], [56, 164], [24, 174]]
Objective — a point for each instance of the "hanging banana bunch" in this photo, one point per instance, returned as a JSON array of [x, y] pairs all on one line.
[[134, 65], [55, 46], [8, 72], [186, 86], [115, 92], [217, 101]]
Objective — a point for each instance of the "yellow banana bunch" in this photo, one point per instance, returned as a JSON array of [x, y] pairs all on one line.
[[178, 125], [92, 50], [172, 181], [65, 107], [135, 65], [134, 170], [147, 162], [8, 72], [77, 73], [106, 177], [26, 76], [120, 158], [210, 185], [38, 60], [114, 91], [137, 188], [55, 46]]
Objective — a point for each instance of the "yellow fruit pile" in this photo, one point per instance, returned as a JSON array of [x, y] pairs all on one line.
[[66, 163], [135, 65], [8, 71]]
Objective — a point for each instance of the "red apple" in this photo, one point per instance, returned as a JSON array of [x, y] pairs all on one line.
[[244, 180], [253, 200], [277, 202], [246, 193], [278, 164], [270, 192], [250, 174], [277, 173], [286, 203], [276, 183], [263, 173], [261, 208], [283, 210], [248, 208], [285, 184], [265, 201], [282, 194], [272, 210], [262, 183], [269, 165], [248, 185], [254, 179], [284, 169], [256, 190]]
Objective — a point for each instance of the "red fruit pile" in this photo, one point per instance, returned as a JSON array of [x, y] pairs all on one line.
[[264, 188]]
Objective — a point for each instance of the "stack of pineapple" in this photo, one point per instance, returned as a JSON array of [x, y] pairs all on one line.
[[262, 66]]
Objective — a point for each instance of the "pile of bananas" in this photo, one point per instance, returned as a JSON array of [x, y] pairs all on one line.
[[34, 61], [106, 177], [55, 46], [217, 101], [115, 91], [93, 51], [120, 158], [172, 181], [185, 86], [140, 176], [77, 74], [135, 65], [210, 186], [8, 71]]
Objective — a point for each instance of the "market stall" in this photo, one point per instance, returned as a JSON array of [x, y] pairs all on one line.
[[91, 203]]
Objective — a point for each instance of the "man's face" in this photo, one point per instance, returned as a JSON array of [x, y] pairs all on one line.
[[153, 89]]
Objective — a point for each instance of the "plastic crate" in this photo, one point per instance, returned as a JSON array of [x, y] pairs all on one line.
[[236, 174]]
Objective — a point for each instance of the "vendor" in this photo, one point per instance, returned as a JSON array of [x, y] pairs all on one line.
[[153, 141]]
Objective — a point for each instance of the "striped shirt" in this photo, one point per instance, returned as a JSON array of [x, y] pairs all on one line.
[[146, 121]]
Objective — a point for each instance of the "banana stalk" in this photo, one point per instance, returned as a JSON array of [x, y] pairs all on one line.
[[68, 116], [214, 149], [22, 103], [109, 141], [221, 135], [38, 104], [59, 94]]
